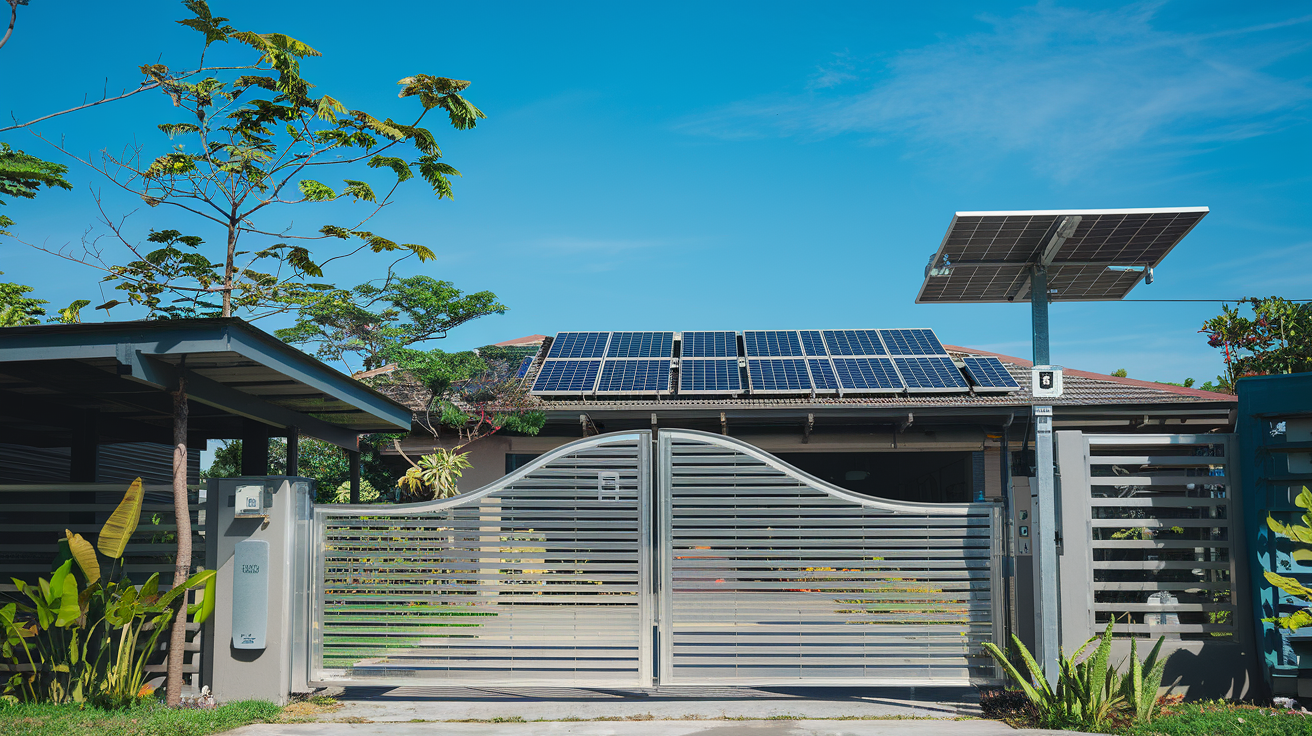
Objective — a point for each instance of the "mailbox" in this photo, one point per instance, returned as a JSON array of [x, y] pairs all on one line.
[[250, 594]]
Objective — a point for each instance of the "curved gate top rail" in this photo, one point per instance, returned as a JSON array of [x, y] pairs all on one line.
[[772, 576], [542, 577]]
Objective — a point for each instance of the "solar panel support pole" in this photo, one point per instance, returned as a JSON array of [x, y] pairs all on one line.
[[1039, 313], [1044, 504], [1045, 497]]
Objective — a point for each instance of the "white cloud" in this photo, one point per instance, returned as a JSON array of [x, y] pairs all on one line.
[[1067, 87]]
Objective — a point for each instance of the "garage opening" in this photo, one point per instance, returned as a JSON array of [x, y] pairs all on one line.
[[925, 477]]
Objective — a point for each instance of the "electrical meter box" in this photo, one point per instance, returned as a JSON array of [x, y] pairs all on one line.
[[250, 500], [1046, 381]]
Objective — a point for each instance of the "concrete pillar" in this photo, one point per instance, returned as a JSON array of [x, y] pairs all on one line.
[[282, 666]]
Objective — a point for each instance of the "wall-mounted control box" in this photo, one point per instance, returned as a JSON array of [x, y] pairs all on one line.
[[250, 499]]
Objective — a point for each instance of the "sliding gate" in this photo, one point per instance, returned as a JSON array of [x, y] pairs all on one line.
[[738, 569]]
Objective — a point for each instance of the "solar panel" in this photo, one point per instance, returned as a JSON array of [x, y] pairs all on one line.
[[930, 374], [867, 375], [566, 377], [709, 376], [989, 374], [854, 342], [912, 342], [641, 345], [778, 375], [710, 344], [822, 374], [985, 256], [579, 345], [813, 343], [641, 376], [772, 343], [524, 365]]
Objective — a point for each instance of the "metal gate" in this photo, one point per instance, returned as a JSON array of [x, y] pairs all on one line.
[[773, 576], [542, 577], [759, 574]]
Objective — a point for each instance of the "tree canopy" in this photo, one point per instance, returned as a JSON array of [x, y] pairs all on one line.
[[369, 325], [1276, 338], [241, 147]]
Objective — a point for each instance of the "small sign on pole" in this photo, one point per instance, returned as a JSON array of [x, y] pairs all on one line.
[[1046, 381]]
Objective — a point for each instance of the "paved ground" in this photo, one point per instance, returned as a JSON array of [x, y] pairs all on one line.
[[648, 728], [555, 704], [411, 711]]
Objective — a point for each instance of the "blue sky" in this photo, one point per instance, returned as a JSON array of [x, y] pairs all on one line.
[[754, 165]]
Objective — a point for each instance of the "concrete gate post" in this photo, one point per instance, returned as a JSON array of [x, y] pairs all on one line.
[[256, 643]]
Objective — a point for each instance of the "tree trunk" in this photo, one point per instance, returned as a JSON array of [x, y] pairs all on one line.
[[182, 565], [228, 271]]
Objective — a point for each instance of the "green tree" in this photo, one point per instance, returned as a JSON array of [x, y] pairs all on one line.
[[1276, 338], [367, 325], [17, 308], [251, 144], [323, 461], [23, 176]]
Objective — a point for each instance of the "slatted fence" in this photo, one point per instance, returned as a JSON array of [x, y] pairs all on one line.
[[34, 517]]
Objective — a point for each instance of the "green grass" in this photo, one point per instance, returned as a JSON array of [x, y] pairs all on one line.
[[146, 719], [1219, 718]]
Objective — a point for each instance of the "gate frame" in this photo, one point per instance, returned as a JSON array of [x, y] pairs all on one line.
[[664, 581]]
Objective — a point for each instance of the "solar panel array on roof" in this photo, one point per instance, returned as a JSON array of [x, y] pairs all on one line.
[[776, 361], [989, 374]]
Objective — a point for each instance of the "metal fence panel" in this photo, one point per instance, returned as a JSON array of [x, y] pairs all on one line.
[[1163, 556], [542, 577], [772, 576]]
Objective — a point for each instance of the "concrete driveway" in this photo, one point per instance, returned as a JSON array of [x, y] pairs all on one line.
[[647, 728]]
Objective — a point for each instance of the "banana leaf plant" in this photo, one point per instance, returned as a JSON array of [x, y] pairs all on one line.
[[84, 636]]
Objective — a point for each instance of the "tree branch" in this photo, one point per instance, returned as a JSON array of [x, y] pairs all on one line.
[[142, 88], [13, 16]]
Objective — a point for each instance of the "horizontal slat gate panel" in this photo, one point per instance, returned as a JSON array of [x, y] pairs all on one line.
[[1162, 549], [771, 576], [536, 579]]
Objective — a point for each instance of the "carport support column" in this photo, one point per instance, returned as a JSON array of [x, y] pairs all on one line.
[[254, 448], [353, 458], [1044, 501]]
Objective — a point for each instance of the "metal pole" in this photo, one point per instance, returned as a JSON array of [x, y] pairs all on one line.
[[1045, 547], [1039, 313], [1044, 501]]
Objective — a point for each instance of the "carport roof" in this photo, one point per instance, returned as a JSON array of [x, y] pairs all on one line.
[[53, 377]]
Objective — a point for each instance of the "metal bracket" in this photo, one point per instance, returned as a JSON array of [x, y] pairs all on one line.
[[724, 425], [905, 424], [806, 428]]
